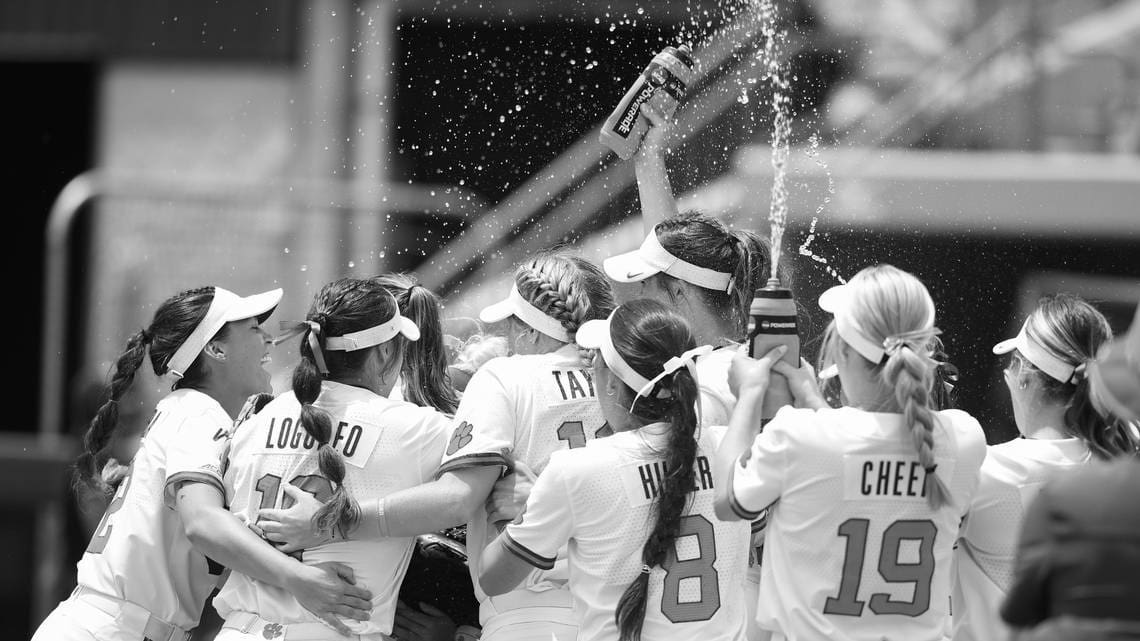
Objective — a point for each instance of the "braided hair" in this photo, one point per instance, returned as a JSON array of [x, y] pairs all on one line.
[[173, 322], [565, 287]]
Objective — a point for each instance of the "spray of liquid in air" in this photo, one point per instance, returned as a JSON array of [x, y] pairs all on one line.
[[812, 152], [776, 77]]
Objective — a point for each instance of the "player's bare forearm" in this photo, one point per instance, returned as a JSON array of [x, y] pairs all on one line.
[[502, 570], [446, 502], [743, 426], [221, 536], [653, 188]]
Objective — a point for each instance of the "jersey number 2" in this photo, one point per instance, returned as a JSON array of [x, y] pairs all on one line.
[[700, 568], [920, 573], [103, 532]]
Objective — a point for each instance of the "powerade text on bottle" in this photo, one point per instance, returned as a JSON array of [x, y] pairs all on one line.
[[661, 85], [771, 323]]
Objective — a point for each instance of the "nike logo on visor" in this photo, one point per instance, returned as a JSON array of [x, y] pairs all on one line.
[[633, 274]]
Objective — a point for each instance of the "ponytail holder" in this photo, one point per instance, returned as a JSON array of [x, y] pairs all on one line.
[[313, 328], [645, 569], [686, 360], [1079, 372], [930, 470], [912, 340]]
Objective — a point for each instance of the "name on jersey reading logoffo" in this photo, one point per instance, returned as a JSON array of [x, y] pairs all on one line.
[[288, 434]]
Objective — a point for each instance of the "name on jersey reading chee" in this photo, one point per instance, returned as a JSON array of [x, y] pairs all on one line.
[[877, 477]]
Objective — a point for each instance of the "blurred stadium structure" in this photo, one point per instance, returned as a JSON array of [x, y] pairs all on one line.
[[990, 146]]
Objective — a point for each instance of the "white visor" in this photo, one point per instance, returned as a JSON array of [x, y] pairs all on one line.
[[651, 258], [225, 308], [373, 336], [516, 305], [837, 300], [595, 334], [1037, 354]]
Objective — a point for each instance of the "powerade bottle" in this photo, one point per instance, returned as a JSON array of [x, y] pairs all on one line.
[[771, 323], [661, 85]]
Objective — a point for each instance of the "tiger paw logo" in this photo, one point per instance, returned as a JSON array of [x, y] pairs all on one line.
[[272, 630], [460, 438]]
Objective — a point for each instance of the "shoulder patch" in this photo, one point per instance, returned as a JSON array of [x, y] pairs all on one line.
[[459, 438]]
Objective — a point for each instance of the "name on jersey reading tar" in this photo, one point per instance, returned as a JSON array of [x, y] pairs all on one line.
[[570, 383]]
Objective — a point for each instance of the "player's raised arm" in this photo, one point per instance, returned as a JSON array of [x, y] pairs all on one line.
[[653, 187]]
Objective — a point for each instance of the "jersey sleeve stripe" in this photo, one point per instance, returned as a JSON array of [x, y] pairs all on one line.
[[476, 460], [760, 523], [739, 510], [178, 478], [521, 551]]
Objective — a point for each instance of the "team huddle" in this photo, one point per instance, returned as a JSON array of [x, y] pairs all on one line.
[[607, 454]]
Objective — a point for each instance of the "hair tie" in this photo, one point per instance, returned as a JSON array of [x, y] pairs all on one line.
[[313, 328], [912, 340], [645, 569], [930, 470], [688, 360], [147, 337], [1080, 372]]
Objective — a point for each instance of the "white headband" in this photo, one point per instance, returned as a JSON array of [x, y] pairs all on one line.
[[225, 307], [655, 254], [1037, 354], [652, 258], [351, 342], [597, 334], [516, 305]]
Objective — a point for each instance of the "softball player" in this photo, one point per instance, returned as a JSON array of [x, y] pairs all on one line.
[[647, 555], [334, 436], [704, 270], [522, 407], [159, 550], [1062, 430], [864, 501]]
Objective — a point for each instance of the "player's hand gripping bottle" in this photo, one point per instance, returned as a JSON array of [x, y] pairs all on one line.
[[662, 85], [772, 322]]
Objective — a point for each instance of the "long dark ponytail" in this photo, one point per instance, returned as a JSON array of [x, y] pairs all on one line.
[[646, 334], [426, 379]]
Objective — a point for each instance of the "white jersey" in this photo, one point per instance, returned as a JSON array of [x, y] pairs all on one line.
[[524, 407], [853, 551], [599, 500], [387, 446], [717, 400], [1011, 476], [139, 552]]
